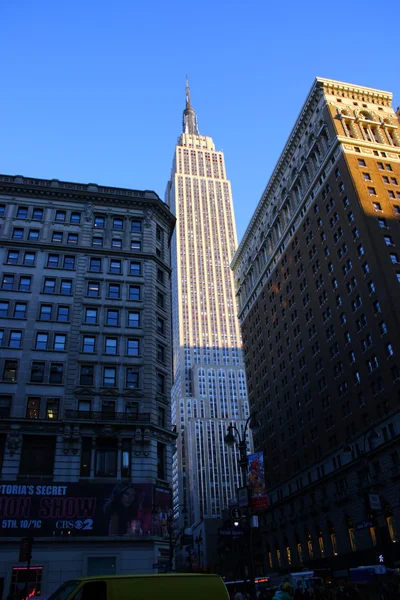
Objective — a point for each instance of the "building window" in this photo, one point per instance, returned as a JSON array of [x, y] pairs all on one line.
[[136, 245], [377, 206], [126, 453], [161, 455], [132, 378], [57, 237], [7, 282], [37, 455], [106, 457], [136, 225], [41, 341], [12, 257], [29, 259], [135, 268], [382, 223], [10, 371], [56, 373], [116, 243], [95, 265], [63, 314], [2, 210], [87, 375], [52, 408], [37, 372], [37, 214], [33, 407], [61, 216], [66, 287], [88, 344], [16, 339], [118, 224], [110, 346], [45, 312], [160, 299], [132, 347], [18, 233], [91, 315], [49, 286], [24, 284], [134, 292], [5, 411], [110, 377], [97, 242], [115, 266], [114, 290], [69, 262], [160, 383], [93, 289], [75, 218], [388, 240], [4, 309], [60, 340], [86, 456], [352, 539], [112, 317], [160, 353], [133, 319], [19, 311], [160, 326], [99, 222]]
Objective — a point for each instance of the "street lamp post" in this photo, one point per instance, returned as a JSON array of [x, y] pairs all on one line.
[[240, 440]]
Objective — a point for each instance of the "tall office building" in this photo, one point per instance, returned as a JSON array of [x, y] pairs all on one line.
[[318, 280], [85, 432], [209, 388]]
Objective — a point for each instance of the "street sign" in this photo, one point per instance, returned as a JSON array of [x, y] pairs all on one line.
[[232, 532], [366, 524], [236, 513]]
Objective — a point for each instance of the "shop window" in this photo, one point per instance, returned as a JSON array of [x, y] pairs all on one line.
[[21, 576]]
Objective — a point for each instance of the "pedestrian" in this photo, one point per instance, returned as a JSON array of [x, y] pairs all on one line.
[[285, 593]]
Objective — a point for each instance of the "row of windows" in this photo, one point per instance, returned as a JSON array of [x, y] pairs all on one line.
[[50, 407], [64, 287]]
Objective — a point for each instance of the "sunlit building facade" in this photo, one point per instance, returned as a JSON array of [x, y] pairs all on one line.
[[209, 388]]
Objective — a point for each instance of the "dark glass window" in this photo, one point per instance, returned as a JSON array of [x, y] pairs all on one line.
[[94, 289], [49, 286], [97, 242], [61, 216], [37, 455], [53, 260], [10, 370], [133, 319], [110, 346], [118, 224], [29, 258], [87, 375], [5, 410], [126, 453], [91, 316], [75, 218], [132, 378], [116, 243], [57, 237], [160, 299], [45, 312], [4, 309], [134, 292], [63, 314], [109, 377], [112, 317], [22, 212], [88, 344], [160, 460], [42, 340], [24, 284], [33, 407], [136, 245], [2, 210], [136, 225], [135, 268], [56, 373], [115, 266], [33, 235], [114, 290], [52, 408], [132, 348], [86, 456], [7, 282], [160, 383], [95, 265], [37, 372], [66, 287], [69, 262], [12, 257], [106, 462], [37, 214], [160, 353], [60, 340], [160, 326], [15, 339], [99, 222], [19, 310]]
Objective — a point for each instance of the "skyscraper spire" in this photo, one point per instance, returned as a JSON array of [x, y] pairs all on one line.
[[189, 116]]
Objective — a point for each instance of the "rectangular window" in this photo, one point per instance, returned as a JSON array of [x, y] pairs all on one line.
[[53, 260], [56, 373], [37, 372], [136, 245], [132, 347], [160, 299], [57, 237], [7, 283], [33, 407], [52, 408], [4, 309], [37, 455], [372, 191], [382, 223], [18, 233], [24, 284], [160, 383], [29, 259], [109, 377], [19, 310], [126, 453], [114, 290], [45, 312], [110, 346], [87, 375], [15, 339], [49, 286], [97, 242], [10, 370], [86, 456], [161, 460], [66, 287], [161, 416], [91, 316], [37, 214], [118, 224], [388, 240], [12, 257], [2, 210], [133, 319], [134, 292], [116, 244], [22, 212], [132, 378], [60, 216], [42, 340], [160, 276], [33, 235], [106, 459], [135, 268], [89, 343], [112, 317], [60, 340], [136, 225], [160, 326], [377, 206], [5, 410], [63, 314], [99, 222], [75, 218], [95, 265], [160, 353], [93, 289], [115, 266], [69, 262]]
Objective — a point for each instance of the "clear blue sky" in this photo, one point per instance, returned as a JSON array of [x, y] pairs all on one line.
[[93, 91]]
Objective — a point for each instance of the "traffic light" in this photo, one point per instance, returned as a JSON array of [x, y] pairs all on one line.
[[25, 550]]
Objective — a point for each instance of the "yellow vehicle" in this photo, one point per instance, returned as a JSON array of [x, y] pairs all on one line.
[[173, 586]]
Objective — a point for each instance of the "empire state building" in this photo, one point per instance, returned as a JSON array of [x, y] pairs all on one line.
[[209, 389]]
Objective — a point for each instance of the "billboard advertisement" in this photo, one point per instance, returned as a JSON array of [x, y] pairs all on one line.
[[80, 509], [256, 483]]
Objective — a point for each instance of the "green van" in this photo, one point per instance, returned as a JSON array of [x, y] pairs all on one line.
[[173, 586]]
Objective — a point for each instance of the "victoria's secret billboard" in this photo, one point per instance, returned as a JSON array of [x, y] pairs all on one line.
[[81, 509]]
